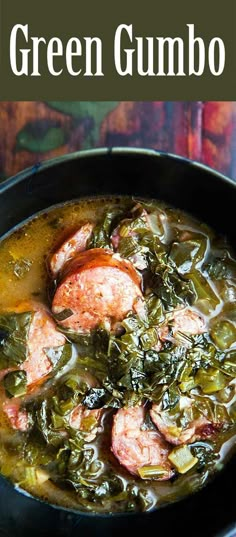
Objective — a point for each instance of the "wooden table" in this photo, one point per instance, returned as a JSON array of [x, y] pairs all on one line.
[[35, 131]]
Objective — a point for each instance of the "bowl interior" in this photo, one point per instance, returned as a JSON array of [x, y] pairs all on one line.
[[183, 184]]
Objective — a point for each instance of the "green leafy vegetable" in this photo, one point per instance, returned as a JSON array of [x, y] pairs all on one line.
[[145, 361], [15, 383], [155, 310], [149, 339], [170, 397], [50, 435], [102, 231], [168, 286], [221, 268], [207, 299], [14, 330], [223, 334], [59, 356], [21, 267], [205, 453], [210, 380], [188, 254]]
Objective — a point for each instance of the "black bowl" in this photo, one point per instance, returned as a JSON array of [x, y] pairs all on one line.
[[185, 184]]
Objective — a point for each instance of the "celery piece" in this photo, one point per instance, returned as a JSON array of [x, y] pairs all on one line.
[[229, 364], [223, 334], [57, 421], [182, 459], [66, 406], [188, 253], [149, 339], [131, 324], [207, 299], [185, 372], [30, 476], [42, 476], [152, 472], [155, 309], [210, 380], [187, 385]]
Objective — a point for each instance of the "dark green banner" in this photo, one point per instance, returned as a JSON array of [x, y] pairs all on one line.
[[106, 50]]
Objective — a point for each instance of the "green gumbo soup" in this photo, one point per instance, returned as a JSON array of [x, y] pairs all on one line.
[[117, 354]]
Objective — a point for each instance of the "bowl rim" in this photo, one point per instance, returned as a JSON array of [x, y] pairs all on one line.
[[109, 151]]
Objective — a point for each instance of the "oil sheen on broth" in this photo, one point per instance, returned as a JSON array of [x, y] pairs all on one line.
[[117, 354]]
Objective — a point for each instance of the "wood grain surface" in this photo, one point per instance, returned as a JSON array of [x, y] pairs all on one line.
[[34, 131]]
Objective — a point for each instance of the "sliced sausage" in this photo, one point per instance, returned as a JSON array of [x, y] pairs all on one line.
[[134, 447], [42, 335], [17, 418], [73, 245], [196, 429], [187, 321], [154, 222], [85, 420], [98, 287]]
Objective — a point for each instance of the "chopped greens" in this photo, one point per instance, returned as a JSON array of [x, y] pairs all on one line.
[[221, 268], [21, 267], [182, 378], [59, 356], [223, 334], [210, 380], [101, 233], [14, 330], [15, 383]]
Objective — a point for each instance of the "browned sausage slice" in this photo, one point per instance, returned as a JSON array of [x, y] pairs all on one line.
[[188, 321], [42, 335], [73, 245], [98, 287], [17, 418], [195, 429], [85, 420], [184, 320], [134, 447]]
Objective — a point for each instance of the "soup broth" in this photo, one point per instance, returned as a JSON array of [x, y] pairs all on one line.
[[117, 354]]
